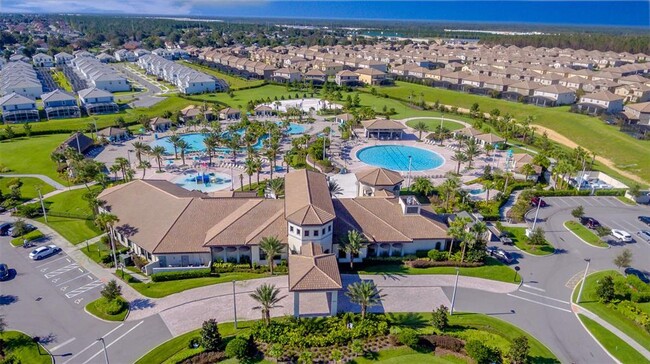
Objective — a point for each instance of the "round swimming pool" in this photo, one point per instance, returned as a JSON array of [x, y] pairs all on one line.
[[396, 157]]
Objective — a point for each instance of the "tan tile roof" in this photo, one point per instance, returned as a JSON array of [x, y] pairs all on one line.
[[469, 132], [158, 120], [643, 107], [111, 131], [313, 271], [381, 220], [379, 177], [382, 124], [490, 138], [602, 95], [307, 198]]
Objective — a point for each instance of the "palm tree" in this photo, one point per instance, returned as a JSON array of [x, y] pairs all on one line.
[[175, 139], [114, 169], [459, 157], [258, 169], [272, 246], [123, 163], [144, 165], [276, 186], [421, 127], [448, 189], [158, 152], [472, 151], [364, 294], [249, 167], [211, 142], [140, 149], [527, 169], [489, 147], [353, 244], [334, 188], [233, 144], [183, 146], [271, 152], [475, 235], [106, 222], [268, 297], [458, 231]]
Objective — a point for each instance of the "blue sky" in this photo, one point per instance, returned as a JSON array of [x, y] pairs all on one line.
[[582, 12]]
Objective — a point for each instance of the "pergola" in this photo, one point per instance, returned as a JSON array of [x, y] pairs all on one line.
[[311, 271], [383, 129]]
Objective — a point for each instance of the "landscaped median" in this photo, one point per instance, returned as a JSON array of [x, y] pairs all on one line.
[[30, 236], [625, 304], [22, 349], [109, 310], [399, 338], [584, 234], [518, 236]]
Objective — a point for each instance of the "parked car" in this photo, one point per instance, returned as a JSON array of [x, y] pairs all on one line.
[[622, 235], [635, 272], [505, 239], [4, 272], [589, 222], [14, 233], [4, 228], [503, 256], [490, 250], [538, 201], [645, 234], [645, 219], [44, 252]]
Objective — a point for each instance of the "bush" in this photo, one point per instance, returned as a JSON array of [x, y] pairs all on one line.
[[237, 348], [420, 263], [422, 253], [111, 290], [481, 353], [605, 289], [408, 337], [444, 342], [519, 350], [173, 276], [437, 255], [29, 211], [113, 307], [640, 297], [439, 318], [210, 336], [206, 357]]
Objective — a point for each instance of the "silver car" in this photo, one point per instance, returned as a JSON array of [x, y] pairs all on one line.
[[44, 252], [645, 234]]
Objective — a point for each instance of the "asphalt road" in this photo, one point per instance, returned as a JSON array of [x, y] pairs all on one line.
[[46, 298], [147, 98]]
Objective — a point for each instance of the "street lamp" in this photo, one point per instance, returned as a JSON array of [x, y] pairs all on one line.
[[104, 346], [453, 295], [584, 277], [234, 302], [409, 174]]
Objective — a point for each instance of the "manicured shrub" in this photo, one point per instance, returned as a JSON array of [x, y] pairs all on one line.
[[436, 255], [408, 337], [444, 342], [519, 350], [481, 353], [210, 336], [422, 253], [172, 276], [237, 348], [206, 357], [114, 307], [420, 263], [440, 318]]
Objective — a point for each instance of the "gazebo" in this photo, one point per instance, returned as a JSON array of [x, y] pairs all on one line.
[[113, 134], [383, 129], [311, 271]]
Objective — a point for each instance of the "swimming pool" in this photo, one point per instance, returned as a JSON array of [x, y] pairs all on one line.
[[396, 157], [476, 191], [213, 182], [195, 141], [294, 128]]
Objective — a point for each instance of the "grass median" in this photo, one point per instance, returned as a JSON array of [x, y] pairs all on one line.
[[586, 235], [115, 310], [30, 236], [613, 344], [518, 235]]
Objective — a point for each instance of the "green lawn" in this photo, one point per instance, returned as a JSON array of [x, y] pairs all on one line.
[[585, 234], [518, 235], [32, 235], [433, 124], [406, 355], [234, 81], [71, 201], [31, 155], [28, 191], [626, 152], [614, 345], [98, 308], [73, 230], [162, 289], [21, 347], [493, 269], [173, 350], [96, 252], [61, 80], [590, 301]]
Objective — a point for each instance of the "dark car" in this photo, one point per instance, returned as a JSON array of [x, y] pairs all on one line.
[[589, 222], [538, 201], [4, 228], [505, 239], [635, 272], [645, 219], [490, 250], [504, 256], [4, 272]]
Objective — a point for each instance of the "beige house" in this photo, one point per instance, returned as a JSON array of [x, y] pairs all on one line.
[[638, 113], [371, 76], [601, 102], [634, 92], [346, 78], [160, 124], [229, 114], [553, 95]]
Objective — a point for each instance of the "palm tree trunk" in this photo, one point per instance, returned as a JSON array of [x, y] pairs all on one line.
[[258, 178], [462, 255], [451, 247], [363, 311], [249, 180]]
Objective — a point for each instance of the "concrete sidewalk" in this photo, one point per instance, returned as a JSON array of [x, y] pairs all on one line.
[[42, 177]]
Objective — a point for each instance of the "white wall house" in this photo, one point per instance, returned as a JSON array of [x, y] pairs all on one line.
[[43, 60], [601, 101]]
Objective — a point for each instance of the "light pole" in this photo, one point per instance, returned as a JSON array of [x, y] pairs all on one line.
[[409, 173], [530, 232], [40, 197], [128, 154], [584, 277], [234, 302], [453, 295], [104, 346]]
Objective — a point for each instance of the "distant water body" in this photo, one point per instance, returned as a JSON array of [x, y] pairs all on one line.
[[621, 13]]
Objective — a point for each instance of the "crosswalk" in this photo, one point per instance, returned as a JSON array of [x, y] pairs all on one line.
[[525, 293]]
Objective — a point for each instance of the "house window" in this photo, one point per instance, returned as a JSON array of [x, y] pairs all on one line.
[[306, 232], [290, 228], [298, 231], [315, 232], [323, 231], [329, 228]]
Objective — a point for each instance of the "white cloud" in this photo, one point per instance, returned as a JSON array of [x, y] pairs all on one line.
[[167, 7]]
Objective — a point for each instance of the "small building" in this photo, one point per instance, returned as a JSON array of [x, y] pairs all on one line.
[[18, 108], [638, 113], [553, 95], [347, 78], [229, 114], [343, 118], [316, 76], [192, 112], [380, 182], [43, 60], [601, 102], [371, 76], [489, 138], [77, 141], [263, 111], [60, 104], [114, 134], [519, 160], [383, 129], [96, 101], [287, 75], [159, 124], [63, 58]]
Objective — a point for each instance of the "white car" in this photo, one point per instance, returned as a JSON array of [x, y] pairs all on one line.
[[44, 252], [621, 235], [645, 234]]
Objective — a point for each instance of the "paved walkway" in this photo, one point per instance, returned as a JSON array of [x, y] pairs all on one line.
[[42, 177], [613, 329]]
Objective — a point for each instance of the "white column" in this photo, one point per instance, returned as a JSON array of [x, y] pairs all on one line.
[[334, 301], [296, 304]]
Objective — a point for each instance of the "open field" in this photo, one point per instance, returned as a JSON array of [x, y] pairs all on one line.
[[31, 155], [433, 124], [626, 152], [234, 81], [28, 190]]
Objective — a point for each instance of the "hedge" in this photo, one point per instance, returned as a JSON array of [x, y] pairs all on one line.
[[187, 274], [422, 263]]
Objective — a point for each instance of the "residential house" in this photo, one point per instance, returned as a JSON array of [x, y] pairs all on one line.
[[18, 108], [63, 58], [634, 92], [287, 75], [43, 60], [553, 95], [600, 102], [20, 77], [638, 113], [60, 104], [97, 101], [371, 76], [521, 91], [347, 78], [316, 76]]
